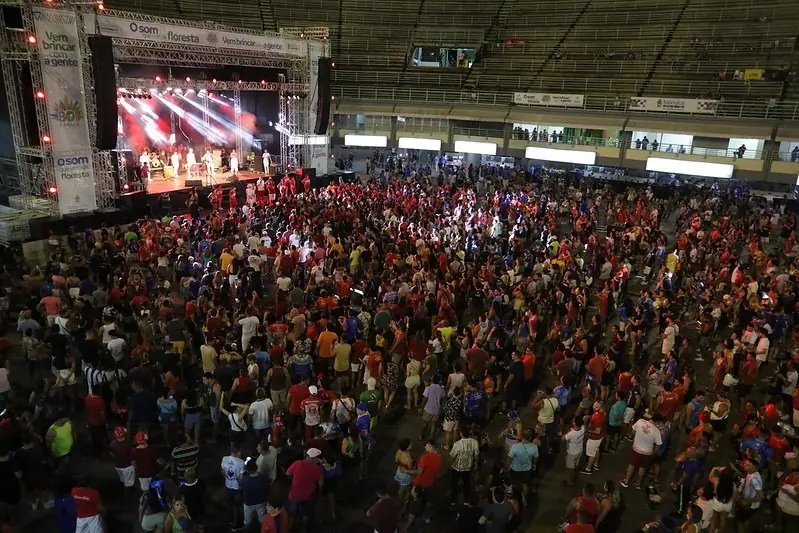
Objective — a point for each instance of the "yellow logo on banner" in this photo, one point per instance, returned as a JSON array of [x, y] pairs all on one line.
[[753, 74]]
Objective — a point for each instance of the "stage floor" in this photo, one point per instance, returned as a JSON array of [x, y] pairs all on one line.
[[160, 186]]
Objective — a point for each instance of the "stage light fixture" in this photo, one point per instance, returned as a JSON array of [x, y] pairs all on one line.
[[263, 82], [126, 187], [213, 80], [169, 89], [188, 79], [270, 123], [333, 64], [46, 138], [302, 36], [158, 79], [239, 82], [32, 39], [332, 97], [100, 7], [39, 94], [52, 190]]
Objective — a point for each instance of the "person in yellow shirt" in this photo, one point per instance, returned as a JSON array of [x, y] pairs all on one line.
[[671, 261], [355, 260], [446, 332], [225, 259], [337, 248]]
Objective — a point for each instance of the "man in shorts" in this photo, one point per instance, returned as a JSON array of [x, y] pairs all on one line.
[[597, 427], [123, 464], [646, 440], [574, 448]]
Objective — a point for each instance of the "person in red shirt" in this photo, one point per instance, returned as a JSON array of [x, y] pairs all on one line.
[[306, 481], [145, 460], [596, 367], [87, 509], [94, 407], [667, 402], [746, 377], [312, 411], [779, 446], [428, 467], [296, 395], [121, 451], [583, 509], [597, 427], [771, 415], [276, 519]]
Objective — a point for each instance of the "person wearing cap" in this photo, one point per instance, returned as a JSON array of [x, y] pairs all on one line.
[[646, 440], [312, 411], [145, 460], [121, 452], [306, 483]]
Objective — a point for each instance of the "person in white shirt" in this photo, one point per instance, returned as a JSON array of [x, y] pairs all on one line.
[[234, 162], [259, 412], [238, 249], [762, 347], [191, 160], [669, 336], [232, 469], [249, 327], [574, 448], [646, 440], [253, 243]]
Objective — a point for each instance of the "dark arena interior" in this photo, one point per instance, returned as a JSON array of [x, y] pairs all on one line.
[[300, 266]]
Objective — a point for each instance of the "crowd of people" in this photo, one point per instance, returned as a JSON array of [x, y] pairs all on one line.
[[522, 321]]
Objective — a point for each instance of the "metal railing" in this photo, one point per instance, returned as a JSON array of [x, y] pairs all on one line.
[[788, 157], [753, 109], [538, 137], [732, 153], [478, 132]]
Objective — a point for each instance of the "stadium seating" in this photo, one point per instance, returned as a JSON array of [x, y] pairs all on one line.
[[609, 50]]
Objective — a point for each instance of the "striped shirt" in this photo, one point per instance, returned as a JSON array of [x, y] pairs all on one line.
[[464, 454], [94, 378], [185, 456]]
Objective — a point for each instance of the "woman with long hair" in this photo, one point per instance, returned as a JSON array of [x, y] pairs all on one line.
[[405, 469]]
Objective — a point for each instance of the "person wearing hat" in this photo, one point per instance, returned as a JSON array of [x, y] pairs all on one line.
[[646, 440], [306, 483], [312, 411], [145, 460], [121, 451], [276, 519]]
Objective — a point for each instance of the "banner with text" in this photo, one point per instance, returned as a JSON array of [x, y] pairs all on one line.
[[62, 77], [134, 28], [548, 99], [674, 105]]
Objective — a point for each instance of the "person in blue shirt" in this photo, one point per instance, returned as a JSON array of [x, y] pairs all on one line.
[[757, 449], [352, 326], [523, 462], [64, 505], [616, 421], [254, 488]]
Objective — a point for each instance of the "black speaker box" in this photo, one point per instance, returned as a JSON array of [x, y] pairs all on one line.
[[105, 91], [193, 182], [323, 97]]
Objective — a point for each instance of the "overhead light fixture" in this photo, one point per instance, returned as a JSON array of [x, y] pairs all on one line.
[[473, 147], [578, 157]]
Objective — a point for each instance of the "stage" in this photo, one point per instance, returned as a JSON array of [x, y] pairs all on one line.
[[170, 185]]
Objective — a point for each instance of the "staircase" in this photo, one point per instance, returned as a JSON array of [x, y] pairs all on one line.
[[563, 38], [491, 36], [663, 48]]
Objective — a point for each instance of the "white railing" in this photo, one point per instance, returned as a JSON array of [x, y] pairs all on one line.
[[752, 109]]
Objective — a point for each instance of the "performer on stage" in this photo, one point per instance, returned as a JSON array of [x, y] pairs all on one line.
[[306, 183], [191, 160], [208, 161], [176, 163], [144, 161], [267, 163], [234, 162]]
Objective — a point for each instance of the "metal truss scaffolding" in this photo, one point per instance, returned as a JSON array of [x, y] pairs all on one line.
[[35, 166], [293, 86]]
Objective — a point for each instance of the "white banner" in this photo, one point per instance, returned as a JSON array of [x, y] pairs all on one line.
[[548, 99], [59, 54], [673, 105], [137, 28], [75, 179]]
